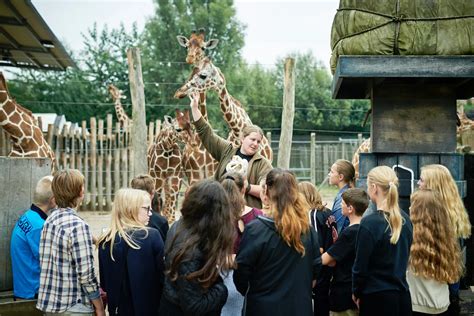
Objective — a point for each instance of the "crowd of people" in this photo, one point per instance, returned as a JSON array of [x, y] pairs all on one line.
[[251, 241]]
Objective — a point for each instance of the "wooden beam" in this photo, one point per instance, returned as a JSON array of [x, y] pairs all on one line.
[[286, 136], [139, 128]]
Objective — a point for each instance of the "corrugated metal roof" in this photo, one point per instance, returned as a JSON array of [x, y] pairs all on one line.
[[27, 41]]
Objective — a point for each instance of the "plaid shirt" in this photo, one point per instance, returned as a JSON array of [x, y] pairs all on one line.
[[67, 263]]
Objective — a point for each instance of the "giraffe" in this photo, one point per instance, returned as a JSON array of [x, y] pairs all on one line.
[[19, 123], [196, 45], [206, 76], [197, 162], [364, 147], [164, 164], [122, 116]]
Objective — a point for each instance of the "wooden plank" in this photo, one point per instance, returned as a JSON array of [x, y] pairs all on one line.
[[64, 149], [139, 140], [151, 134], [117, 158], [3, 143], [404, 122], [100, 167], [59, 146], [19, 177], [93, 163], [157, 127], [86, 173], [284, 148], [72, 146], [108, 165], [312, 163], [49, 135]]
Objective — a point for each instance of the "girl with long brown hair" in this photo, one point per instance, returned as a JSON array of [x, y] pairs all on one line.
[[279, 255], [435, 257], [197, 252], [379, 283], [325, 226], [235, 185]]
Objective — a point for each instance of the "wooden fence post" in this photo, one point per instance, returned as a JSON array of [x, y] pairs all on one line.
[[284, 148], [139, 128], [85, 136], [108, 164], [93, 159], [312, 162], [117, 158], [100, 168]]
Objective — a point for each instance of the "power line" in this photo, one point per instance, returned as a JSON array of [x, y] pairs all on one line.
[[152, 105]]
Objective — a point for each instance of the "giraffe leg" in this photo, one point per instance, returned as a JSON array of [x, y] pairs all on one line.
[[174, 185], [159, 183]]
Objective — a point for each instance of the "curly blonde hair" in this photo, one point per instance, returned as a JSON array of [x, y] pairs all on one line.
[[435, 252], [438, 178]]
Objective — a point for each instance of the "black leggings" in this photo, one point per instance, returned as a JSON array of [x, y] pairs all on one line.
[[386, 303]]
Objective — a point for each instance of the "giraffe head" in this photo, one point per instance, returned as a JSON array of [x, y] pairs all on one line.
[[184, 122], [169, 132], [115, 92], [205, 76], [196, 45]]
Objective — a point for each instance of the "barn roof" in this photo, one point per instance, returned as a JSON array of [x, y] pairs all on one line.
[[27, 41]]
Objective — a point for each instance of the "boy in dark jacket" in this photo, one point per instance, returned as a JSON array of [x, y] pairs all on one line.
[[341, 254]]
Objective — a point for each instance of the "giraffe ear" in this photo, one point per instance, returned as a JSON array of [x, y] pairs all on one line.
[[211, 44], [3, 82], [182, 40]]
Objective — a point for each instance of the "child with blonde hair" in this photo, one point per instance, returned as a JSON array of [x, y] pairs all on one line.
[[438, 178], [379, 284], [131, 257], [435, 257]]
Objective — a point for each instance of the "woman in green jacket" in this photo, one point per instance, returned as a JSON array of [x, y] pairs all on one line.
[[223, 151]]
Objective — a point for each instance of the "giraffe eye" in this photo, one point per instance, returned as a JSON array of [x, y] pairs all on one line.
[[202, 76]]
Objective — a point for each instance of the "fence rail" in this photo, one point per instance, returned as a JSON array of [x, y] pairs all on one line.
[[102, 152]]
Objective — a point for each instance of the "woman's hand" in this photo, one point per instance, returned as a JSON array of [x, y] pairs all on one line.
[[195, 106], [356, 301]]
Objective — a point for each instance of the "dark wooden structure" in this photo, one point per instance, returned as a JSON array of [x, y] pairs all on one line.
[[413, 100]]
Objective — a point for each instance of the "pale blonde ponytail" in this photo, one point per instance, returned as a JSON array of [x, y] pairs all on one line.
[[386, 180]]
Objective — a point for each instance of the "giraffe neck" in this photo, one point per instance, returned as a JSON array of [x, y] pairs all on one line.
[[27, 138], [234, 113], [121, 115]]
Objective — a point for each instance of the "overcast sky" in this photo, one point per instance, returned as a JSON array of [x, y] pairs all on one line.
[[274, 28]]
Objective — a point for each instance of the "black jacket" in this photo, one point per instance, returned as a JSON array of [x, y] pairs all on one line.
[[278, 279], [183, 297], [139, 291], [159, 222]]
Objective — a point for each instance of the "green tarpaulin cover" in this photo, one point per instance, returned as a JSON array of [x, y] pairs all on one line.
[[402, 27]]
